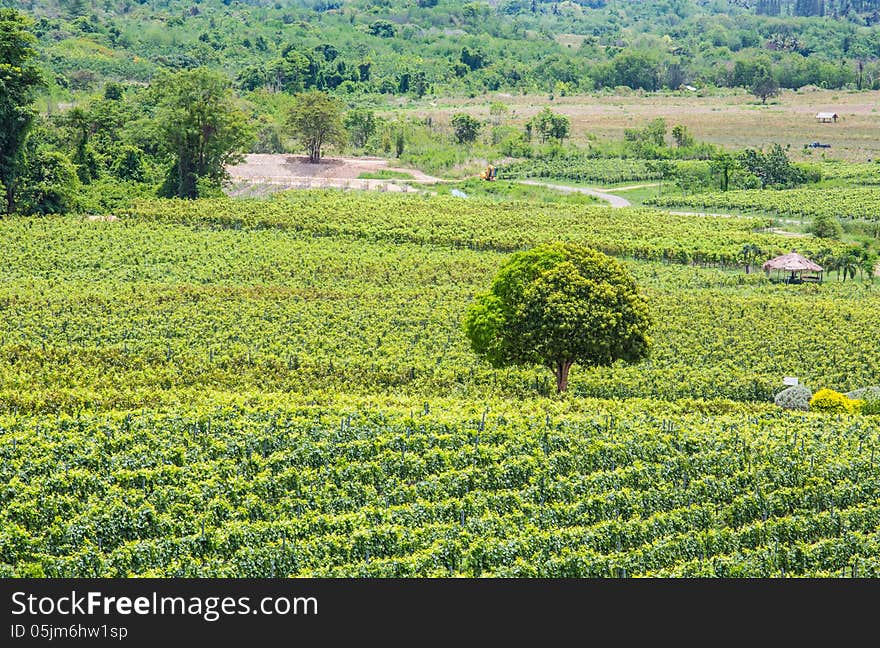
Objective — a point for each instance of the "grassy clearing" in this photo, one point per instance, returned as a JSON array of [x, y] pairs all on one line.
[[385, 174]]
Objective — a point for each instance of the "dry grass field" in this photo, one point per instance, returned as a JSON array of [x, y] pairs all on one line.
[[734, 120]]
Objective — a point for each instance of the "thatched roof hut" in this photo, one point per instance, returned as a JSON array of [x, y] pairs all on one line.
[[796, 265]]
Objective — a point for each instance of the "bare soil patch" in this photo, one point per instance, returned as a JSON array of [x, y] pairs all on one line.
[[262, 173]]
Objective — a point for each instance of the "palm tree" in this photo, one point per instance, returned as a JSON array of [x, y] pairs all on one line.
[[749, 255], [848, 263]]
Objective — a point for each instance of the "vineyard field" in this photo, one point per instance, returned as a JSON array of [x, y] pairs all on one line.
[[282, 388], [846, 203], [615, 492]]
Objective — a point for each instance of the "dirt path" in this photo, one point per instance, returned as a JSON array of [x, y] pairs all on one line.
[[614, 201], [632, 187], [786, 233], [263, 173]]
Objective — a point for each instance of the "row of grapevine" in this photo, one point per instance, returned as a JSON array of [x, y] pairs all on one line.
[[615, 492], [848, 203]]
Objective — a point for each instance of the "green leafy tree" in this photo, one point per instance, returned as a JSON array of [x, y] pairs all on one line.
[[635, 69], [19, 79], [361, 126], [826, 226], [381, 28], [465, 127], [560, 304], [51, 184], [772, 168], [653, 134], [498, 111], [682, 136], [316, 121], [764, 85], [82, 127], [549, 125], [560, 127], [200, 127], [399, 142]]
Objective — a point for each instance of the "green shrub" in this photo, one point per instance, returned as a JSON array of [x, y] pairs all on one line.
[[794, 398], [828, 400], [870, 407], [826, 226], [865, 394]]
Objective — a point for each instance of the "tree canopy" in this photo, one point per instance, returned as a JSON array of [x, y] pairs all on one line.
[[560, 304], [19, 78], [316, 121], [465, 127], [201, 128]]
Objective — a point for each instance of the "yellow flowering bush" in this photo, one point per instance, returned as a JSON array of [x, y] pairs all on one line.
[[828, 400]]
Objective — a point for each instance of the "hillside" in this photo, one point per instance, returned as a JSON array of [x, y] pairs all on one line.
[[445, 47]]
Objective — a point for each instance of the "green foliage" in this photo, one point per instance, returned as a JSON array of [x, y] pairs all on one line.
[[201, 129], [556, 305], [870, 407], [651, 135], [381, 28], [385, 174], [773, 168], [316, 121], [459, 48], [465, 127], [764, 85], [682, 136], [826, 226], [361, 126], [847, 203], [360, 489], [549, 126], [828, 400], [281, 387], [51, 184], [794, 398], [129, 164], [865, 394], [19, 79]]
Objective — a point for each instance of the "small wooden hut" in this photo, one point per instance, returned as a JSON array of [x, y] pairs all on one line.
[[797, 268]]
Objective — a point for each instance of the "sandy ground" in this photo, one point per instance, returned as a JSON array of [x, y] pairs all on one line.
[[264, 173]]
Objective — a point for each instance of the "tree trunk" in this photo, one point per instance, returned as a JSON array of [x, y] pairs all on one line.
[[561, 372], [10, 198]]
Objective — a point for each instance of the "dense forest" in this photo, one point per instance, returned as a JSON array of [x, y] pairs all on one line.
[[419, 47]]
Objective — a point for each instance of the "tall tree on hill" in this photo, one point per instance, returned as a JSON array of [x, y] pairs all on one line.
[[201, 129], [19, 79], [316, 120]]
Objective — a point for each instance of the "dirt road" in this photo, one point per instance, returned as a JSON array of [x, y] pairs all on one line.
[[614, 201]]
